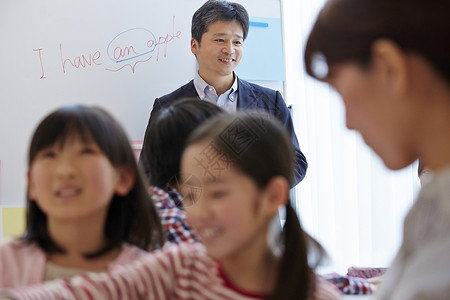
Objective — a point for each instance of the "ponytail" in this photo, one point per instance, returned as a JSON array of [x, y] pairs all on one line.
[[295, 278]]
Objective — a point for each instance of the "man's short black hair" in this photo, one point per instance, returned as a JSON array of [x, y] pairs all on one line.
[[218, 10]]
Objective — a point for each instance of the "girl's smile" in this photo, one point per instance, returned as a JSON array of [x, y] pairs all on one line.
[[227, 215], [73, 180]]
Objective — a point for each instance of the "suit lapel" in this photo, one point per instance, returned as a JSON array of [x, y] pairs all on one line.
[[188, 90], [246, 96]]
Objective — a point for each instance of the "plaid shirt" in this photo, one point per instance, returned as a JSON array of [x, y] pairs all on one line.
[[349, 285], [173, 218]]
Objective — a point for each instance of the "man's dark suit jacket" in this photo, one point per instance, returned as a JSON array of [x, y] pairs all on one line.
[[250, 96]]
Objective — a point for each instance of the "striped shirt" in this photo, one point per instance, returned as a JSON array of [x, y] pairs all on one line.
[[181, 271]]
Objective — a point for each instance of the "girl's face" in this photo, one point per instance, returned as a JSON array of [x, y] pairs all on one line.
[[73, 181], [374, 111], [226, 210]]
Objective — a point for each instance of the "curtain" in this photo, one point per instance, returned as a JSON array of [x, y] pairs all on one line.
[[349, 201]]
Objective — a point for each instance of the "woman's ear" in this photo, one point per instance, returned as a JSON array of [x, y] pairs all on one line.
[[276, 193], [390, 61], [127, 178]]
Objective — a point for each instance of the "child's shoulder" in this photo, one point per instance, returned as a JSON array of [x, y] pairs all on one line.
[[187, 254], [21, 263], [128, 254], [186, 251], [17, 246], [171, 261]]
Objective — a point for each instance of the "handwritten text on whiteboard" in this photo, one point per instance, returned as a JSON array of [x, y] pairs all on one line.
[[126, 49]]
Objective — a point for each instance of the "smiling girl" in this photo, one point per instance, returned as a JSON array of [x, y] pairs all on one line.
[[88, 207], [236, 173]]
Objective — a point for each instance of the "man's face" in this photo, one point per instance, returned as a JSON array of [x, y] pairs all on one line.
[[220, 50]]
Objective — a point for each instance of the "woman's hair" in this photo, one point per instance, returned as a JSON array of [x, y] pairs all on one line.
[[345, 30], [167, 135], [131, 218], [258, 145]]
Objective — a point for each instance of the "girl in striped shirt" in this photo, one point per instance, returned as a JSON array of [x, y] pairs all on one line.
[[236, 173]]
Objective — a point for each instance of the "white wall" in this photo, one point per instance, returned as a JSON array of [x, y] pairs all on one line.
[[35, 82]]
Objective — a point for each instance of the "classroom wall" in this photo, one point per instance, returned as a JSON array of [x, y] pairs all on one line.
[[55, 53]]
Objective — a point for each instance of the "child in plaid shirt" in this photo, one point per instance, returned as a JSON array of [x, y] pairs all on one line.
[[166, 137]]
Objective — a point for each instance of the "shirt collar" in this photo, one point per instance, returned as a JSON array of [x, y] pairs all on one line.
[[200, 86]]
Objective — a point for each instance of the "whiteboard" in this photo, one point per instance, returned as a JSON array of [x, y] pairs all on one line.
[[120, 55]]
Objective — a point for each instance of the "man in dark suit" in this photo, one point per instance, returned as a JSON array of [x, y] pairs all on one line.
[[219, 29]]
